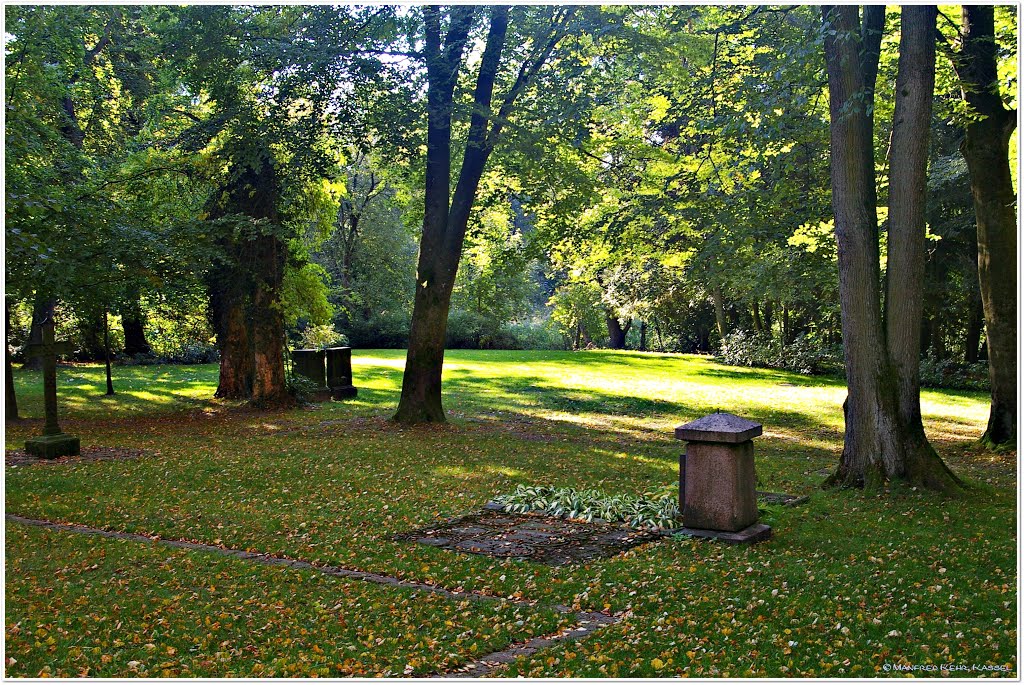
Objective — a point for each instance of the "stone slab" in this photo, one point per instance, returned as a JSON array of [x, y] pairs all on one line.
[[781, 498], [759, 532], [54, 446], [344, 392], [532, 537], [719, 427]]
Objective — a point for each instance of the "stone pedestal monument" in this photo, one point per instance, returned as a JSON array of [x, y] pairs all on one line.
[[339, 372], [53, 442], [717, 495]]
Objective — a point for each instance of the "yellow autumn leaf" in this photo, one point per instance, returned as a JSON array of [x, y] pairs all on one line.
[[658, 664]]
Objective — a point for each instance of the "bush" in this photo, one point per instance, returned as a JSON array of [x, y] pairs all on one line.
[[466, 330], [534, 336], [187, 353], [953, 375], [803, 355], [321, 337], [385, 330]]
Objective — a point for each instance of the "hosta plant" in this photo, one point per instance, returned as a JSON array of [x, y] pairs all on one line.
[[643, 511]]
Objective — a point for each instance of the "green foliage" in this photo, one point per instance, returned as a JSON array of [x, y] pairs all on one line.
[[301, 388], [576, 310], [591, 505], [322, 336], [802, 355], [304, 295], [948, 373]]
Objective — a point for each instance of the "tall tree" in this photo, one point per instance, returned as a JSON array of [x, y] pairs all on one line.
[[986, 149], [884, 437], [447, 213]]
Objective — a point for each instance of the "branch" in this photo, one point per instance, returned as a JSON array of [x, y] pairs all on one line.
[[527, 71]]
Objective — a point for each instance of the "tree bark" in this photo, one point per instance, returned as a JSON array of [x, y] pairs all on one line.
[[11, 398], [986, 150], [106, 352], [444, 222], [269, 388], [643, 336], [905, 267], [716, 294], [237, 364], [616, 331], [133, 321], [879, 445]]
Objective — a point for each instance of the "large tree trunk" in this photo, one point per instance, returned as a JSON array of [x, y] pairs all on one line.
[[11, 398], [133, 321], [616, 331], [986, 150], [269, 388], [237, 364], [904, 301], [444, 224], [876, 440]]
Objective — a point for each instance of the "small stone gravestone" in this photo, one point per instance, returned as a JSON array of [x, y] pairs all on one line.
[[53, 442], [339, 372], [717, 494], [310, 364]]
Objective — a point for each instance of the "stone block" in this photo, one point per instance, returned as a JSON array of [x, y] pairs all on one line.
[[339, 372], [54, 446], [310, 364], [719, 427], [758, 532], [719, 486]]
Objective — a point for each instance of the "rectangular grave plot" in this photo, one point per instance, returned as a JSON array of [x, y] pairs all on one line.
[[541, 539]]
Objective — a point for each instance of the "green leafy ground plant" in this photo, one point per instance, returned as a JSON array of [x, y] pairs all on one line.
[[849, 582], [593, 505]]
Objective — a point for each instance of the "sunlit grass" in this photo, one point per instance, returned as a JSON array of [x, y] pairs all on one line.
[[335, 482]]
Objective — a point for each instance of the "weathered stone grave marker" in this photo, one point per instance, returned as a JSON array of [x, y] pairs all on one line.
[[339, 372], [53, 442], [310, 364], [329, 369], [717, 495]]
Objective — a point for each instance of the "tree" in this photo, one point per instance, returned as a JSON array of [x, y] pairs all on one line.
[[447, 213], [986, 149], [266, 79], [884, 437]]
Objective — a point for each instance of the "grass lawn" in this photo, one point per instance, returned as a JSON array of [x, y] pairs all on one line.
[[848, 584]]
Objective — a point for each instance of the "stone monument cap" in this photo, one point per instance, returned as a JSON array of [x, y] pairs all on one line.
[[718, 427]]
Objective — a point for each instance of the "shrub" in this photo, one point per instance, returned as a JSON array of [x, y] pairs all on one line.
[[322, 336], [186, 353], [389, 329], [803, 355], [533, 336], [953, 375]]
